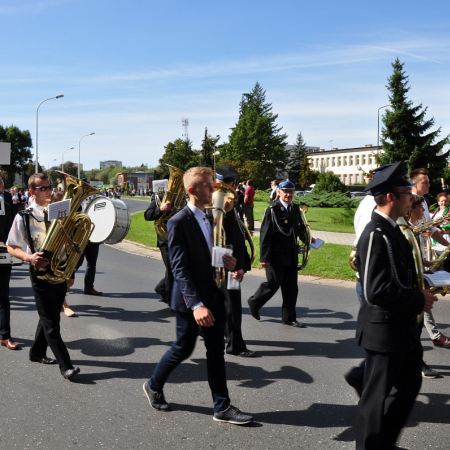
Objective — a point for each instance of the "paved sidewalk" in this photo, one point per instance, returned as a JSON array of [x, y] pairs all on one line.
[[327, 236]]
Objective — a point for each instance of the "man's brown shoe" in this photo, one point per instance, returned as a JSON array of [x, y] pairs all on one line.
[[93, 292], [9, 343]]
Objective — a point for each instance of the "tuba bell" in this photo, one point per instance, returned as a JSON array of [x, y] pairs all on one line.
[[176, 195], [67, 236]]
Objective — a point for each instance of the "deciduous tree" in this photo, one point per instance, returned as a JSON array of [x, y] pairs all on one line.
[[20, 150]]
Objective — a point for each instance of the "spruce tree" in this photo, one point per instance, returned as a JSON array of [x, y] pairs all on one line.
[[256, 137], [295, 159], [406, 134], [208, 149]]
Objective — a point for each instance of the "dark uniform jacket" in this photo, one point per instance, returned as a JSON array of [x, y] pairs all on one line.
[[387, 317], [279, 248], [234, 236], [6, 219], [153, 213]]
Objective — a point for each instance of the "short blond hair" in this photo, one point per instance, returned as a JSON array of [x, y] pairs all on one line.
[[192, 176]]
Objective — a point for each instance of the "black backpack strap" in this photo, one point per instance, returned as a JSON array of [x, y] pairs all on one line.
[[26, 223]]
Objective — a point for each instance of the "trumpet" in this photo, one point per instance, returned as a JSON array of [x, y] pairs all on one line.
[[419, 229]]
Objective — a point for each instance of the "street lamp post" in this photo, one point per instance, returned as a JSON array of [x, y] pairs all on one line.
[[36, 138], [48, 167], [62, 158], [79, 153], [378, 129]]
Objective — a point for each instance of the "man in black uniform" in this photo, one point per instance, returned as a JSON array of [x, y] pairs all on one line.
[[235, 238], [6, 218], [387, 320], [281, 227], [154, 211]]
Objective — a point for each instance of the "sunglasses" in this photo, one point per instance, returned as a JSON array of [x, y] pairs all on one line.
[[43, 188]]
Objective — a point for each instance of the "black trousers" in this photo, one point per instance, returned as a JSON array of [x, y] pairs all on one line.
[[91, 255], [284, 277], [164, 287], [49, 299], [5, 308], [233, 328], [391, 384]]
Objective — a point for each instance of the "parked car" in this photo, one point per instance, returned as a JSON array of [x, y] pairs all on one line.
[[359, 195], [300, 193]]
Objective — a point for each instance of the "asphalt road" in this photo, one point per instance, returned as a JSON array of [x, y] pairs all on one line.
[[295, 389]]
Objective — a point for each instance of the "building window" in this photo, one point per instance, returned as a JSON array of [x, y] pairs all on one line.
[[350, 179], [333, 161], [350, 163], [345, 179], [363, 159], [357, 159], [339, 161], [370, 159]]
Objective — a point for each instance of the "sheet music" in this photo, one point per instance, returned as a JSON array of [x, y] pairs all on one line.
[[58, 210], [438, 279]]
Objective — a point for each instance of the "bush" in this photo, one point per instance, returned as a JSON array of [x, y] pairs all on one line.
[[328, 200], [329, 182]]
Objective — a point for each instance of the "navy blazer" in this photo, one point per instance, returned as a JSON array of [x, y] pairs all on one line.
[[190, 261], [386, 319]]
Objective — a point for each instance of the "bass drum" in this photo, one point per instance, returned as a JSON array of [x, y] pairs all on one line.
[[111, 219]]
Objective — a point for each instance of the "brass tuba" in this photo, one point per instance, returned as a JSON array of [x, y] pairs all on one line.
[[176, 195], [67, 236], [224, 200]]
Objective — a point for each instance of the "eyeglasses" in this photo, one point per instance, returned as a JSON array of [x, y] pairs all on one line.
[[43, 188]]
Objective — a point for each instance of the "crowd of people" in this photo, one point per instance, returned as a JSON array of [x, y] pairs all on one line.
[[395, 305]]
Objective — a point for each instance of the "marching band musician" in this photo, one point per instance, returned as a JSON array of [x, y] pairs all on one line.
[[386, 326], [154, 211], [196, 299], [30, 226], [235, 238], [279, 255], [421, 188]]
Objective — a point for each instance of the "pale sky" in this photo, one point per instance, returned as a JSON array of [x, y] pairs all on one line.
[[130, 71]]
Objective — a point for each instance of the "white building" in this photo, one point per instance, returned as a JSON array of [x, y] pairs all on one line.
[[348, 164], [104, 164]]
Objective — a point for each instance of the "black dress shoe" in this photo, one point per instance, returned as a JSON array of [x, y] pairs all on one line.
[[295, 324], [69, 373], [43, 360], [253, 311]]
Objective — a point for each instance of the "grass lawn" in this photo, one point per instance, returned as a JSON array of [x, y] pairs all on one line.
[[339, 220], [329, 261]]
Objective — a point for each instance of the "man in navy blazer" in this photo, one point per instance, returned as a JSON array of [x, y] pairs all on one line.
[[196, 299]]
